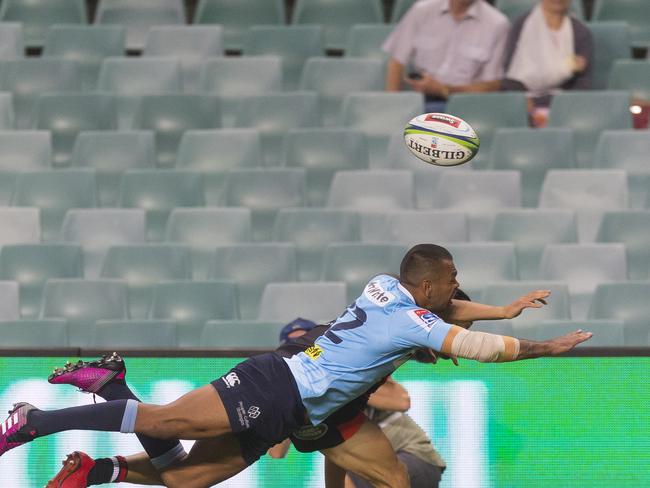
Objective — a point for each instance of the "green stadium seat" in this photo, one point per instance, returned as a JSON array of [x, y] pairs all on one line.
[[82, 303], [236, 79], [588, 113], [500, 327], [632, 228], [9, 301], [365, 41], [516, 8], [337, 16], [110, 154], [128, 79], [251, 267], [96, 230], [54, 192], [293, 44], [311, 230], [334, 78], [236, 16], [37, 16], [22, 151], [7, 115], [169, 116], [28, 78], [67, 114], [634, 12], [141, 267], [409, 226], [627, 302], [607, 333], [158, 192], [583, 267], [322, 152], [371, 190], [240, 334], [31, 265], [532, 152], [356, 263], [203, 229], [275, 114], [87, 46], [400, 7], [264, 192], [588, 192], [139, 16], [20, 226], [611, 42], [190, 44], [191, 304], [34, 334], [12, 41], [318, 301], [632, 76], [379, 115], [530, 230], [134, 334]]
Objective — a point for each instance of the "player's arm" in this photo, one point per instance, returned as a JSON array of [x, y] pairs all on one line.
[[465, 311], [280, 450], [390, 396]]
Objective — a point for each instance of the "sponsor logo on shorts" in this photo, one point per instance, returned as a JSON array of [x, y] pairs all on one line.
[[231, 380], [377, 295], [443, 119], [242, 416], [424, 318], [314, 352], [254, 412], [311, 432]]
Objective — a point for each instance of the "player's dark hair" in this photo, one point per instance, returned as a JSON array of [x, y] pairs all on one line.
[[420, 261], [461, 295]]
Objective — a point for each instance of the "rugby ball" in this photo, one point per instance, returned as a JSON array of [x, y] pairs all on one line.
[[441, 139]]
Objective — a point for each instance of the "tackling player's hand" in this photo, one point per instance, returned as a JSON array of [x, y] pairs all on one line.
[[565, 343], [534, 299], [430, 356]]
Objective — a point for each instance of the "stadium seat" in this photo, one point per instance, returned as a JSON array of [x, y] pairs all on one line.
[[264, 192], [627, 150], [611, 41], [240, 334], [22, 151], [607, 333], [169, 116], [371, 190], [191, 304], [500, 327], [410, 226], [28, 78], [142, 266], [356, 263], [337, 16], [632, 76], [96, 230], [311, 230], [588, 192], [632, 228], [87, 46], [82, 303], [158, 192], [479, 194], [489, 112], [236, 79], [322, 152], [110, 154], [203, 229], [139, 16], [134, 334], [379, 115], [365, 41], [128, 79], [37, 16], [34, 334], [627, 302], [634, 12], [54, 192], [9, 300], [583, 267], [275, 114], [532, 152], [7, 114], [513, 9], [334, 78], [251, 267], [588, 113], [294, 44], [12, 41], [317, 301], [20, 226], [67, 114], [236, 16], [31, 265], [530, 230], [400, 7]]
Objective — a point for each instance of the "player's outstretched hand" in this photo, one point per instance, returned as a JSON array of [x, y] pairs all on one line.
[[534, 299], [565, 343]]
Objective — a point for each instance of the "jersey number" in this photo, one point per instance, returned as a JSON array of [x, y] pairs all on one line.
[[360, 318]]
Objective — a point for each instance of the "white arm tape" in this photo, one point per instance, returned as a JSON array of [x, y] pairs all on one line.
[[484, 347]]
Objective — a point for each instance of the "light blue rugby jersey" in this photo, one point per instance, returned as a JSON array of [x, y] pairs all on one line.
[[372, 338]]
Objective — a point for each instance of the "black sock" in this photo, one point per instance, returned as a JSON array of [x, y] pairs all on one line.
[[107, 470]]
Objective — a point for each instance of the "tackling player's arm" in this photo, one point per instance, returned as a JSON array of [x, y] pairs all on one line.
[[466, 311]]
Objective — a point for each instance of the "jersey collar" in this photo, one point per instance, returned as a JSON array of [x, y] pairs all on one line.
[[405, 291]]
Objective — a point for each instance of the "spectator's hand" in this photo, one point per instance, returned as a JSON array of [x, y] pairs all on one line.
[[534, 299], [428, 85], [579, 64]]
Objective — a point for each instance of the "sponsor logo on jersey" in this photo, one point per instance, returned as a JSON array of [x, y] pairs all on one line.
[[231, 380], [377, 295], [443, 119], [311, 432], [314, 352], [424, 318]]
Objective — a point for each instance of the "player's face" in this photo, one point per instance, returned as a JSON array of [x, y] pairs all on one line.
[[556, 6], [441, 288]]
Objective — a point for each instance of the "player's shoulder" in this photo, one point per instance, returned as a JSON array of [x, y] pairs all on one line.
[[382, 291], [420, 317]]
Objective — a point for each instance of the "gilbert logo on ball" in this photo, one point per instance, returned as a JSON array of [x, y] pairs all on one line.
[[441, 139]]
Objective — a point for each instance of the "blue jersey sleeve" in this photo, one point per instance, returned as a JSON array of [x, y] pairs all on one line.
[[418, 327]]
